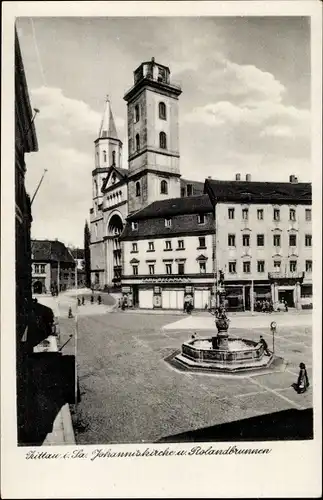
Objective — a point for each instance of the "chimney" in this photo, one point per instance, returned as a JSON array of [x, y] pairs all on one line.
[[248, 177], [293, 179], [238, 177]]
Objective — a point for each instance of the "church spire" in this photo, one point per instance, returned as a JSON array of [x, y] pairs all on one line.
[[108, 126]]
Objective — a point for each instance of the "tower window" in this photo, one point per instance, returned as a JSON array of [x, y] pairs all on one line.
[[164, 187], [162, 110], [137, 142], [137, 188], [104, 156], [96, 192], [162, 140], [137, 115], [113, 157]]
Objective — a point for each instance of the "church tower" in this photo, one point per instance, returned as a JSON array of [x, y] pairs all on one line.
[[108, 150], [153, 147]]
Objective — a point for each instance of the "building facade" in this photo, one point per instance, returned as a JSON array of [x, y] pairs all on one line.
[[263, 244]]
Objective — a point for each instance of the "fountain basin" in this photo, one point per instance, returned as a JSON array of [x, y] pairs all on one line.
[[240, 354]]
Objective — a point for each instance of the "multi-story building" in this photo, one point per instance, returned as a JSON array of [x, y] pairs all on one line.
[[168, 254], [263, 242], [53, 266], [153, 173]]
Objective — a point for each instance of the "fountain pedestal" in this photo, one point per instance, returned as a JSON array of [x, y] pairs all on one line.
[[222, 340]]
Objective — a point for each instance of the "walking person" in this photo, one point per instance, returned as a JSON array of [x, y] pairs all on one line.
[[83, 301], [92, 298], [264, 343], [286, 306], [78, 301], [302, 382], [99, 299]]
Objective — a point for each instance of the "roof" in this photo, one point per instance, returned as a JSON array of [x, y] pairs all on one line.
[[198, 187], [50, 250], [123, 172], [108, 126], [258, 192], [174, 206]]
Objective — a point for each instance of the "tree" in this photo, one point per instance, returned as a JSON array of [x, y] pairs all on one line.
[[87, 255]]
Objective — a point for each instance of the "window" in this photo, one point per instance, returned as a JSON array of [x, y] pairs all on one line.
[[151, 268], [231, 240], [137, 142], [246, 240], [201, 219], [162, 110], [292, 266], [168, 269], [308, 214], [231, 213], [113, 157], [232, 267], [162, 140], [202, 267], [135, 269], [134, 247], [292, 214], [181, 244], [181, 268], [182, 192], [189, 189], [104, 156], [137, 114], [260, 214], [246, 267], [42, 268], [276, 214], [37, 269], [151, 247], [308, 266], [202, 242], [276, 240], [261, 266], [245, 213], [164, 187], [292, 240], [168, 245], [134, 226], [277, 264], [260, 240], [65, 276], [308, 240], [138, 189], [168, 222]]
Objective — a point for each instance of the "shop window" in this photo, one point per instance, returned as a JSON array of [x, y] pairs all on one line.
[[138, 190], [292, 240], [164, 187], [232, 267], [306, 291], [261, 266], [246, 240], [308, 240], [162, 140], [231, 213], [231, 240], [151, 269], [260, 240], [168, 268], [181, 268], [135, 270], [276, 214], [246, 267], [260, 214], [162, 110], [245, 213], [293, 266], [308, 266], [276, 239], [308, 214], [202, 267], [201, 218], [292, 214], [202, 243]]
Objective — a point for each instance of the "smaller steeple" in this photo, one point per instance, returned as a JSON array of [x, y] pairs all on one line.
[[108, 126]]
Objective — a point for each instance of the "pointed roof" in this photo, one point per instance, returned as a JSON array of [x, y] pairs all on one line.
[[108, 126]]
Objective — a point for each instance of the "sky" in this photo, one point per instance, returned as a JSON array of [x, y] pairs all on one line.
[[245, 106]]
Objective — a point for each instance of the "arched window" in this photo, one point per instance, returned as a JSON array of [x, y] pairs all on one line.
[[162, 111], [162, 140], [137, 188], [113, 157], [96, 188], [164, 187], [104, 156], [137, 142], [97, 159], [137, 113]]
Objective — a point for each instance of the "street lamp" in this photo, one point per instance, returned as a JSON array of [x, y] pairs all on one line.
[[273, 327]]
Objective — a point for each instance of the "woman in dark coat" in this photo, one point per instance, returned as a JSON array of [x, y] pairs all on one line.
[[302, 381]]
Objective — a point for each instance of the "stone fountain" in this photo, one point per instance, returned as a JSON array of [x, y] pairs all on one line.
[[222, 353]]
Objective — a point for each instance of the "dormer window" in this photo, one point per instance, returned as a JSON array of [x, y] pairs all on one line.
[[134, 226], [168, 222], [201, 219], [138, 188], [164, 187], [162, 140], [137, 114], [162, 110]]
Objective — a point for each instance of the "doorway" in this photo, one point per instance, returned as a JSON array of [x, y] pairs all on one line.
[[135, 296], [38, 287], [286, 296]]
